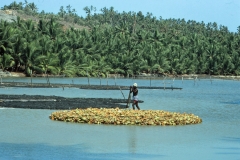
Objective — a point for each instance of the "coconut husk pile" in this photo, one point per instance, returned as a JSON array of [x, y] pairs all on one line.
[[118, 116]]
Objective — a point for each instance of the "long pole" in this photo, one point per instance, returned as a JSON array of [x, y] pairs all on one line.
[[128, 101], [88, 77], [121, 92], [31, 77], [150, 78], [107, 79]]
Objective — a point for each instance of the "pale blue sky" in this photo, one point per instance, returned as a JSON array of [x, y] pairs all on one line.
[[224, 12]]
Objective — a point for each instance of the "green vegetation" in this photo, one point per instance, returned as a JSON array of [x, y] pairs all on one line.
[[111, 42]]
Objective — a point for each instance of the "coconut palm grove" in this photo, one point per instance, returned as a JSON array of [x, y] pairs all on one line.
[[109, 42]]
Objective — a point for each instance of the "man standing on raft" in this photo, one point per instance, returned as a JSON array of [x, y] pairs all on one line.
[[135, 95]]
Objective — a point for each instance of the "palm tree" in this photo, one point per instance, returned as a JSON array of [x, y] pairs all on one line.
[[54, 28], [33, 7], [62, 12], [31, 53], [67, 64], [16, 51], [48, 64], [6, 61], [127, 42]]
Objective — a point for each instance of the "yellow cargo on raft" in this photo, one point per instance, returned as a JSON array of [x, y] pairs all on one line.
[[118, 116]]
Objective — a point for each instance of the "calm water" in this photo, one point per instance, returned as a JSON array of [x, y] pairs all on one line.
[[30, 134]]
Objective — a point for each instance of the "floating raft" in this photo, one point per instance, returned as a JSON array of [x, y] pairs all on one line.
[[118, 116], [59, 103]]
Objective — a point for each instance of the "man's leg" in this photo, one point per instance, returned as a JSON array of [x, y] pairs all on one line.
[[133, 105], [137, 105]]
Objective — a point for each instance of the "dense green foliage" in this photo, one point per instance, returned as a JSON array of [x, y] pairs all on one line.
[[125, 43]]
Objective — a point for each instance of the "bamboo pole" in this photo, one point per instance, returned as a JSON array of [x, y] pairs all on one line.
[[121, 92], [150, 81]]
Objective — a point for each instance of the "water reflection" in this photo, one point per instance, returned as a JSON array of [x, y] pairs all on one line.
[[132, 139]]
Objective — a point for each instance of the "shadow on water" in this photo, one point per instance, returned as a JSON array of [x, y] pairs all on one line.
[[232, 102], [231, 139], [44, 151], [233, 147]]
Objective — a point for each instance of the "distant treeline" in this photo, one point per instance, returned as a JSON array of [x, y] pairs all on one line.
[[109, 42]]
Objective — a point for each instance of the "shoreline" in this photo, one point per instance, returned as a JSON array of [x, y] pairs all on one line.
[[142, 76], [80, 86]]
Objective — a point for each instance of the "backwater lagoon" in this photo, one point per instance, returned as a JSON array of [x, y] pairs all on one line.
[[30, 134]]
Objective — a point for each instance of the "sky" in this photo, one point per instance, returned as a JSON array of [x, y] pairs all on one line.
[[223, 12]]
